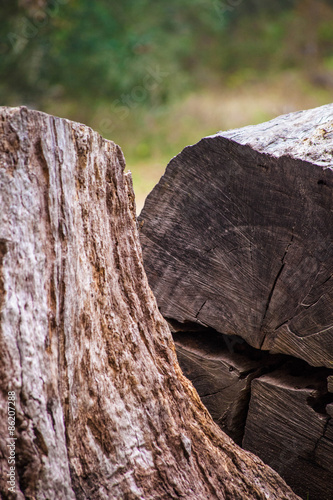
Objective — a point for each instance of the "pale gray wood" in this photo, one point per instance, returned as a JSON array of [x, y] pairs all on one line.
[[238, 235], [103, 410], [303, 135]]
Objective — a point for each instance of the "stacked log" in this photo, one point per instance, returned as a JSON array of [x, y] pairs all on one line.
[[93, 404], [237, 238]]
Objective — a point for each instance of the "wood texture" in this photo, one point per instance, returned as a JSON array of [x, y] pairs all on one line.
[[102, 408], [238, 233], [290, 426], [221, 369], [289, 420], [330, 383]]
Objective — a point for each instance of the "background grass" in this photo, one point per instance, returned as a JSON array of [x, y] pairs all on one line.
[[151, 138]]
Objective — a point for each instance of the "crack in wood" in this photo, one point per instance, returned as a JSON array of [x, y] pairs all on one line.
[[321, 437], [216, 392], [274, 286], [196, 316]]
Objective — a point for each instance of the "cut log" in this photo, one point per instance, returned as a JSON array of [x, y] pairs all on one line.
[[288, 422], [290, 426], [222, 371], [101, 407], [238, 233], [237, 237]]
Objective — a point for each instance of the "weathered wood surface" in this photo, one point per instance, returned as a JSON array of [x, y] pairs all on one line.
[[238, 235], [102, 408], [222, 371], [290, 426], [288, 423]]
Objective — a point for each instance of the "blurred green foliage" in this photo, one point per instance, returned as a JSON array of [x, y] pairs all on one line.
[[90, 52], [87, 50]]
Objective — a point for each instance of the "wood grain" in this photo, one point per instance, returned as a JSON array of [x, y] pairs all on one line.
[[290, 426], [222, 369], [238, 235], [103, 410]]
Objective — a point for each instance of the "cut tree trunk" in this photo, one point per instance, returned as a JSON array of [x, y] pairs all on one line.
[[238, 233], [222, 373], [289, 427], [238, 246], [288, 423], [102, 408]]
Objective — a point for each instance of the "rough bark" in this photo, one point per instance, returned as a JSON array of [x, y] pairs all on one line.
[[238, 235], [102, 408]]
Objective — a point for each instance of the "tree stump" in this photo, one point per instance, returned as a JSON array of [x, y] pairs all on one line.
[[87, 364]]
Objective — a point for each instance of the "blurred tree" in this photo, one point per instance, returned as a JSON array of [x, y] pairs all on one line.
[[269, 36], [141, 52], [308, 45], [86, 50]]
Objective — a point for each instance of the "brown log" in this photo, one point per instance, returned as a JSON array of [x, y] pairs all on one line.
[[102, 410], [221, 369], [289, 421], [237, 235], [290, 426]]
